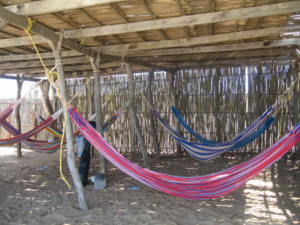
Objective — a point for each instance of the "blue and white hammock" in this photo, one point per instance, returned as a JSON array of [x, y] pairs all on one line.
[[242, 139], [210, 151]]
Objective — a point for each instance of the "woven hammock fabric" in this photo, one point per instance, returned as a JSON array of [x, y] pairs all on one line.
[[44, 146], [22, 137], [57, 133], [51, 147], [242, 139], [197, 188], [202, 151]]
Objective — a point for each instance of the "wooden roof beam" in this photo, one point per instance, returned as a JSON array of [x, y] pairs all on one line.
[[182, 13], [163, 33], [49, 34], [198, 40], [52, 6], [170, 51], [123, 17], [236, 14], [3, 24]]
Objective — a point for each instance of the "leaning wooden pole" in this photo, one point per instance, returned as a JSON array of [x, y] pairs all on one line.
[[17, 111], [152, 124], [174, 97], [56, 48], [133, 117], [95, 62]]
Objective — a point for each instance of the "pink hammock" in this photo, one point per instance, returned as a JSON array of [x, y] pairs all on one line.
[[197, 188]]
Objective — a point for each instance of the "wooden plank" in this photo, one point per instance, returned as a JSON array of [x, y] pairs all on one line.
[[173, 51], [52, 36], [214, 48], [50, 6], [213, 17], [42, 31], [3, 24], [199, 40]]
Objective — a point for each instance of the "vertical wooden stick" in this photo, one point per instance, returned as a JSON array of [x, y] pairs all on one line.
[[133, 117], [17, 111], [174, 97], [152, 125], [95, 62]]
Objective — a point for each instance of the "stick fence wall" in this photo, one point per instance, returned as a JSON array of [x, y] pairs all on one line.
[[216, 103]]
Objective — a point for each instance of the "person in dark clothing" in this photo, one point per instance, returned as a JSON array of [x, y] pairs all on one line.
[[85, 159]]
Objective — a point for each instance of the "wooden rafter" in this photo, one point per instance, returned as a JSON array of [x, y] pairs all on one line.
[[123, 17], [100, 24], [11, 42], [236, 14], [163, 33], [182, 13], [51, 6], [212, 9], [170, 51], [199, 40], [50, 35]]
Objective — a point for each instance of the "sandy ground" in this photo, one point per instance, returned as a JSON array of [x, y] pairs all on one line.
[[33, 196]]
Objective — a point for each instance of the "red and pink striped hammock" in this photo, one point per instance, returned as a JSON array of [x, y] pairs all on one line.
[[196, 188]]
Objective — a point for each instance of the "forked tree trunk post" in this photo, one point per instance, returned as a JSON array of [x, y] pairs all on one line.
[[45, 87], [175, 97], [133, 117], [95, 62], [17, 111], [152, 124], [56, 48]]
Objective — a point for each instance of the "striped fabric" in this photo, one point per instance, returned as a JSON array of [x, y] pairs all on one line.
[[196, 188], [203, 151], [242, 139], [22, 137], [57, 133], [51, 147]]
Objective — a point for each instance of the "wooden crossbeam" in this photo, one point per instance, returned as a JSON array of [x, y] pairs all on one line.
[[51, 6], [171, 51], [50, 35], [123, 17], [3, 24], [216, 48], [259, 11], [214, 17], [199, 40], [181, 58]]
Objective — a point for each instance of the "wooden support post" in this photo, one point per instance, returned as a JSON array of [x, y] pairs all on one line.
[[175, 97], [257, 100], [152, 125], [45, 87], [95, 62], [56, 48], [296, 102], [132, 134], [133, 117], [217, 106], [89, 98], [17, 111]]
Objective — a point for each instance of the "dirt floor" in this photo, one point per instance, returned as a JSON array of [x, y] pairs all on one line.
[[30, 195]]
